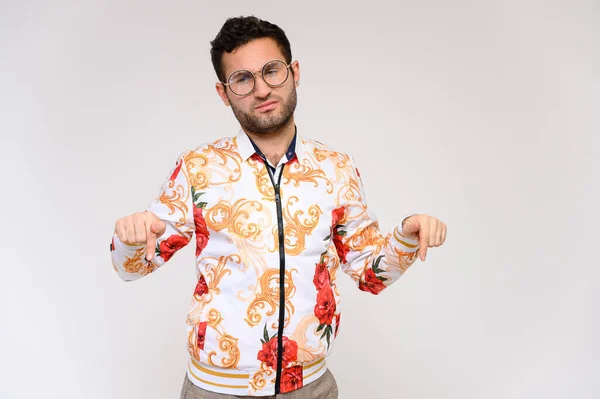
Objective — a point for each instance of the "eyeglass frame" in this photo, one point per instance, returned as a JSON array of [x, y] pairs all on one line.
[[262, 76]]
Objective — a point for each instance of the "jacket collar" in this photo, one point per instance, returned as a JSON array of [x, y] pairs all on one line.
[[247, 148]]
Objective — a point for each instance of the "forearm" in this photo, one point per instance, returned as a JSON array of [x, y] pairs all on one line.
[[129, 261], [164, 228], [377, 266]]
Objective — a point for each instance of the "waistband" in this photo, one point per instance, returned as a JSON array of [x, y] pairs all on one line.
[[235, 382]]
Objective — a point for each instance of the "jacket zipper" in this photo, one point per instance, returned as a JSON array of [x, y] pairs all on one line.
[[276, 186]]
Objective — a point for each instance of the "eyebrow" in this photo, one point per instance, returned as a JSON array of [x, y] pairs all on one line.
[[264, 63]]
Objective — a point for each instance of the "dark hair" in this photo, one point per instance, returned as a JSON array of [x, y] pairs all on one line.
[[238, 31]]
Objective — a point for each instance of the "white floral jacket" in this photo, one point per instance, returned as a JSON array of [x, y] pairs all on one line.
[[266, 309]]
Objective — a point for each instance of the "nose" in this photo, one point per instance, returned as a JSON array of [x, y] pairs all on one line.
[[261, 88]]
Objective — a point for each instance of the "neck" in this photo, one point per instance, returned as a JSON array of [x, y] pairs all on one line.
[[276, 143]]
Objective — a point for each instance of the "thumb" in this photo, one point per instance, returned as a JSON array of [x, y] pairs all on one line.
[[411, 227], [158, 228]]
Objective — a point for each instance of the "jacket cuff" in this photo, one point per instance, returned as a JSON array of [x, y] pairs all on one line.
[[403, 243]]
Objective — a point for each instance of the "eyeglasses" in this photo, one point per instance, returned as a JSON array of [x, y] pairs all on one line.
[[243, 82]]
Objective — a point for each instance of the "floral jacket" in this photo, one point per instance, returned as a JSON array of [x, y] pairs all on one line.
[[266, 308]]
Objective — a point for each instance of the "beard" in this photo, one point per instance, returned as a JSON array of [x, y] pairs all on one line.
[[270, 122]]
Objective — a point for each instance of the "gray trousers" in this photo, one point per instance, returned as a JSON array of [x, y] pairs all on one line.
[[325, 387]]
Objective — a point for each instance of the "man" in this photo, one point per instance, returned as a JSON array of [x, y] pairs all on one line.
[[275, 216]]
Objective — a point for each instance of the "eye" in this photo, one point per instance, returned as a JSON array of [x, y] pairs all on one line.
[[241, 78]]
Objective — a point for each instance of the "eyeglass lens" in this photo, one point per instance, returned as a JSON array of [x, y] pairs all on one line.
[[274, 73]]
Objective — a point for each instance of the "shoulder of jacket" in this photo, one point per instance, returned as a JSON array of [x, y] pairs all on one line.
[[338, 157], [223, 142]]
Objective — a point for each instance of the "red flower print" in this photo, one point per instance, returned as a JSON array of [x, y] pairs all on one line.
[[112, 244], [325, 307], [171, 245], [337, 215], [337, 324], [342, 249], [268, 353], [291, 379], [201, 334], [357, 172], [176, 171], [202, 233], [321, 279], [201, 287], [371, 284]]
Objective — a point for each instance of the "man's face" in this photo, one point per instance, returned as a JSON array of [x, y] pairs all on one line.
[[266, 109]]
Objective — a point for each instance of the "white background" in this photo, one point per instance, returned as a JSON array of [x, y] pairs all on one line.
[[482, 113]]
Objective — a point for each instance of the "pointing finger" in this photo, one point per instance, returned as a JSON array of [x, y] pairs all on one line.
[[150, 241]]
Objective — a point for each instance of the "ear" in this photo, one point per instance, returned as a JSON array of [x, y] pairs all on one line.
[[221, 90], [296, 72]]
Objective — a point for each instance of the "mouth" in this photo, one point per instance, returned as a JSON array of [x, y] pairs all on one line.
[[266, 106]]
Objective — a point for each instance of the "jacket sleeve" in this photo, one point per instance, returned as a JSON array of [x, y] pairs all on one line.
[[174, 205], [372, 259]]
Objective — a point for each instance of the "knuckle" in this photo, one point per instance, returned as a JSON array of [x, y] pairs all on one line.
[[140, 237]]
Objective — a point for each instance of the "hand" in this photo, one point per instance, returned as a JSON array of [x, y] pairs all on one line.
[[429, 231], [139, 229]]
